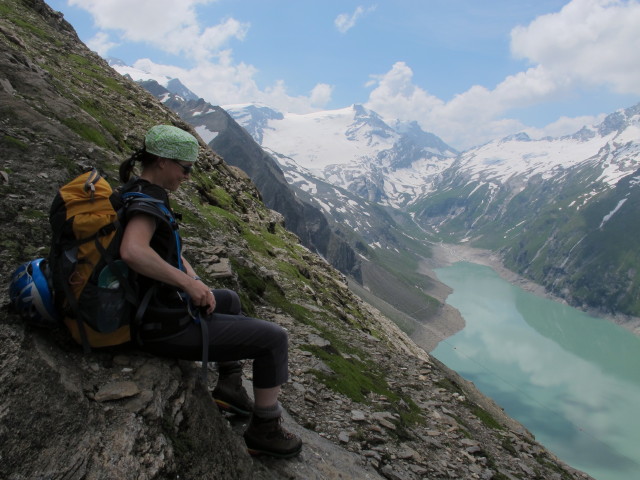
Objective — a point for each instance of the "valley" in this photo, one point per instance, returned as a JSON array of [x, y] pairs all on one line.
[[446, 255], [373, 197]]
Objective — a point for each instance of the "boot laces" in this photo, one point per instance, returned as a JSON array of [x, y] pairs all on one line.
[[283, 431]]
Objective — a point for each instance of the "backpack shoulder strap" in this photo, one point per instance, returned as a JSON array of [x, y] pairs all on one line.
[[148, 204], [154, 206]]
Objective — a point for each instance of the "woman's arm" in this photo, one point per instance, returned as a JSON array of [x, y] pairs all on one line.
[[192, 273], [136, 251], [187, 266]]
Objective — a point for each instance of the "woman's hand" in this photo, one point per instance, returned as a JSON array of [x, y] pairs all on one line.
[[201, 295]]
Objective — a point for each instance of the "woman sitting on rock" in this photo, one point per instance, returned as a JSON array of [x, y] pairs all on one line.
[[149, 248]]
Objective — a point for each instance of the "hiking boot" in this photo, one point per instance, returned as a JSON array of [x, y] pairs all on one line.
[[231, 396], [269, 437]]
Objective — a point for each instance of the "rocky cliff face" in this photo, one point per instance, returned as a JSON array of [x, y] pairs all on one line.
[[367, 402]]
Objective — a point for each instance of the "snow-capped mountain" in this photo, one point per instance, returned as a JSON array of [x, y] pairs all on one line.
[[172, 85], [518, 156], [553, 206], [350, 148], [235, 145], [561, 211], [502, 169]]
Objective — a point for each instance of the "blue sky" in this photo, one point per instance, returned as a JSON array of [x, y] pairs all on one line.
[[467, 70]]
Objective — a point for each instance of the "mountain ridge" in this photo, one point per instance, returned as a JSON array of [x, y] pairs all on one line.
[[469, 197], [353, 148], [475, 196]]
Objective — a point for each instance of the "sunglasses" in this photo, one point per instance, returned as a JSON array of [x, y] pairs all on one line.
[[185, 168]]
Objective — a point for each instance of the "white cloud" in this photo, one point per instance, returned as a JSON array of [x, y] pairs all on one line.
[[167, 24], [466, 120], [224, 83], [101, 43], [345, 21], [589, 43], [396, 95], [321, 95], [564, 125], [218, 82], [173, 27], [278, 97], [213, 38]]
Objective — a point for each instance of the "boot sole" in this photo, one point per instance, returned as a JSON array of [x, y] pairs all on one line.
[[222, 405], [254, 453]]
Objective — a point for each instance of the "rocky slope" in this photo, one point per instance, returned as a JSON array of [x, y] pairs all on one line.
[[367, 401]]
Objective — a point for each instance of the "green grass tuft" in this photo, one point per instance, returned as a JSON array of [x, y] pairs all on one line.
[[486, 418], [352, 378], [14, 142], [87, 132]]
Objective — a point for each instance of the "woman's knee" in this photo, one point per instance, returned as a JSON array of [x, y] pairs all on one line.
[[280, 337], [271, 337], [227, 301]]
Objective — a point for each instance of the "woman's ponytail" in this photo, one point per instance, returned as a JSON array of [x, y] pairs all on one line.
[[126, 168]]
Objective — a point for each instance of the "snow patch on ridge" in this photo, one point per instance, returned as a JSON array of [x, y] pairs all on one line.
[[608, 216], [206, 134], [502, 160]]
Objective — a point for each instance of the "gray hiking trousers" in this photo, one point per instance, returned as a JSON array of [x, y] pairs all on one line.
[[232, 337]]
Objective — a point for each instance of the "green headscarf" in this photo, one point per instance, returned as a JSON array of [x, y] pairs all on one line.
[[167, 141]]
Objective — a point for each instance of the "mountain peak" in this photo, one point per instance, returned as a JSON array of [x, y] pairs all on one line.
[[172, 85], [176, 86], [115, 62], [516, 137], [253, 117]]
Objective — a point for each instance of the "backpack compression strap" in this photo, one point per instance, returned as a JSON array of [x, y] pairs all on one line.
[[73, 302], [194, 313], [90, 184]]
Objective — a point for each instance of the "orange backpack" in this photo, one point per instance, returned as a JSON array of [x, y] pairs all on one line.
[[94, 290]]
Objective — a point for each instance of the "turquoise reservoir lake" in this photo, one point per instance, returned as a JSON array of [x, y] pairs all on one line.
[[571, 379]]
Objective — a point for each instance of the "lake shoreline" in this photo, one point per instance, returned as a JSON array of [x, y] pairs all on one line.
[[444, 255], [568, 377]]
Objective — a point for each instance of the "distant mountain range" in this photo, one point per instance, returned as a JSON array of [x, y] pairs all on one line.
[[351, 148], [561, 211]]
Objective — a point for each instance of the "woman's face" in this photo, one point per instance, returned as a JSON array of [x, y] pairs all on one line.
[[174, 173]]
